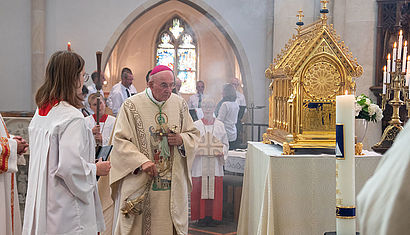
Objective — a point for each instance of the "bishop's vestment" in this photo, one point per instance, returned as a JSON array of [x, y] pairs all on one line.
[[137, 139], [10, 222]]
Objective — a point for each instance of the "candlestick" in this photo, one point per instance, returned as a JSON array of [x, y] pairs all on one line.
[[403, 65], [400, 44], [345, 166], [384, 79], [388, 68], [393, 69], [68, 46]]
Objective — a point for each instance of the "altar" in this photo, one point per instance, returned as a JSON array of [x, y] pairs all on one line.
[[293, 194]]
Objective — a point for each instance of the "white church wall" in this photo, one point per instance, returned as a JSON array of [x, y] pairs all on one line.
[[15, 55], [90, 24], [356, 21]]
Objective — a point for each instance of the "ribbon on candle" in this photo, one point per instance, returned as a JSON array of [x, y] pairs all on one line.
[[346, 212], [340, 146]]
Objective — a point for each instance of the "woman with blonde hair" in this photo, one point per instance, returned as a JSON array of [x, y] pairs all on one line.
[[62, 196]]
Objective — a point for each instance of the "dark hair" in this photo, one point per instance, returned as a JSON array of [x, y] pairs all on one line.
[[229, 93], [124, 72], [147, 76], [84, 90], [62, 79], [94, 76]]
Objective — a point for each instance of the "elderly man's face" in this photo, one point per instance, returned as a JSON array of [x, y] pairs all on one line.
[[178, 84], [127, 80], [161, 85], [200, 87]]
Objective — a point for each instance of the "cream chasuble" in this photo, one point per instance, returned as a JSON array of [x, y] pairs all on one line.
[[10, 222], [139, 136], [384, 202], [62, 195]]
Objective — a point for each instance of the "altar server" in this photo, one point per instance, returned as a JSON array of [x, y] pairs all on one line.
[[62, 196], [207, 170], [102, 130], [10, 148], [384, 202]]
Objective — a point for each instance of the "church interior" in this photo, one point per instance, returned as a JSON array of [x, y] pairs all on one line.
[[292, 58]]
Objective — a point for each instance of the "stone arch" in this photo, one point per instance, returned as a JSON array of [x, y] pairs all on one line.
[[197, 6]]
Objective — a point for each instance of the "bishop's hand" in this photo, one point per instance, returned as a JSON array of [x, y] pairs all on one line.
[[175, 139], [149, 168]]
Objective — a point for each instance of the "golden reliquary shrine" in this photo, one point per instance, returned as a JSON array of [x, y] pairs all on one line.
[[314, 67]]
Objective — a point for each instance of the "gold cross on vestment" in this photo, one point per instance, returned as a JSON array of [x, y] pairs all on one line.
[[209, 145], [300, 15]]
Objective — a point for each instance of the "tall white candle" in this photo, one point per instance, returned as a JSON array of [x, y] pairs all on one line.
[[384, 79], [403, 65], [400, 44], [388, 68], [345, 166], [393, 66]]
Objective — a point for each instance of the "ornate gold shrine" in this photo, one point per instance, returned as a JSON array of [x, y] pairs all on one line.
[[306, 76]]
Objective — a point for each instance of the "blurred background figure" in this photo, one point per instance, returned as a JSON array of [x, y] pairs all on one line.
[[102, 130], [227, 112], [195, 101], [121, 91], [207, 171]]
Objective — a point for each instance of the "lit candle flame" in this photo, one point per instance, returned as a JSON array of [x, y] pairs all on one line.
[[68, 46], [395, 44], [401, 32], [346, 93], [384, 68], [105, 82], [388, 56], [405, 43]]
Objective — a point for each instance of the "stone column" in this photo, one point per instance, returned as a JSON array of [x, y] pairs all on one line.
[[38, 23]]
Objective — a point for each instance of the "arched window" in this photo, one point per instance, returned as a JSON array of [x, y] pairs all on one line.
[[176, 48]]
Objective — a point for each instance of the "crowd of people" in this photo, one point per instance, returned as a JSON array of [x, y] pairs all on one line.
[[145, 184]]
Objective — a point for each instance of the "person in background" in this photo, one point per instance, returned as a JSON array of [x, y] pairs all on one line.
[[10, 149], [178, 85], [207, 171], [240, 99], [102, 130], [62, 195], [84, 94], [227, 112], [121, 91], [195, 101], [93, 89]]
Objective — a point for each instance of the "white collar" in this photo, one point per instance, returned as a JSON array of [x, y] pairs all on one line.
[[149, 93]]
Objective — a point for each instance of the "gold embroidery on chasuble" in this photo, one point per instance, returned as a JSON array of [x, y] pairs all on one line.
[[143, 148]]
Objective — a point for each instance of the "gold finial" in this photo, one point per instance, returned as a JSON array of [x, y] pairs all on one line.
[[324, 10], [300, 15]]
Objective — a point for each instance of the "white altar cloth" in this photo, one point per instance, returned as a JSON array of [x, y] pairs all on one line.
[[292, 194]]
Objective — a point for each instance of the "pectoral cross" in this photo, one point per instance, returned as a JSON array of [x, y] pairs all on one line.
[[209, 145]]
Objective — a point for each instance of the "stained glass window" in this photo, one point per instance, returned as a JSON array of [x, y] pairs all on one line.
[[176, 48]]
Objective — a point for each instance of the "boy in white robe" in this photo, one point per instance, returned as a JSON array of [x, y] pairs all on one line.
[[101, 131], [10, 148], [207, 171]]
